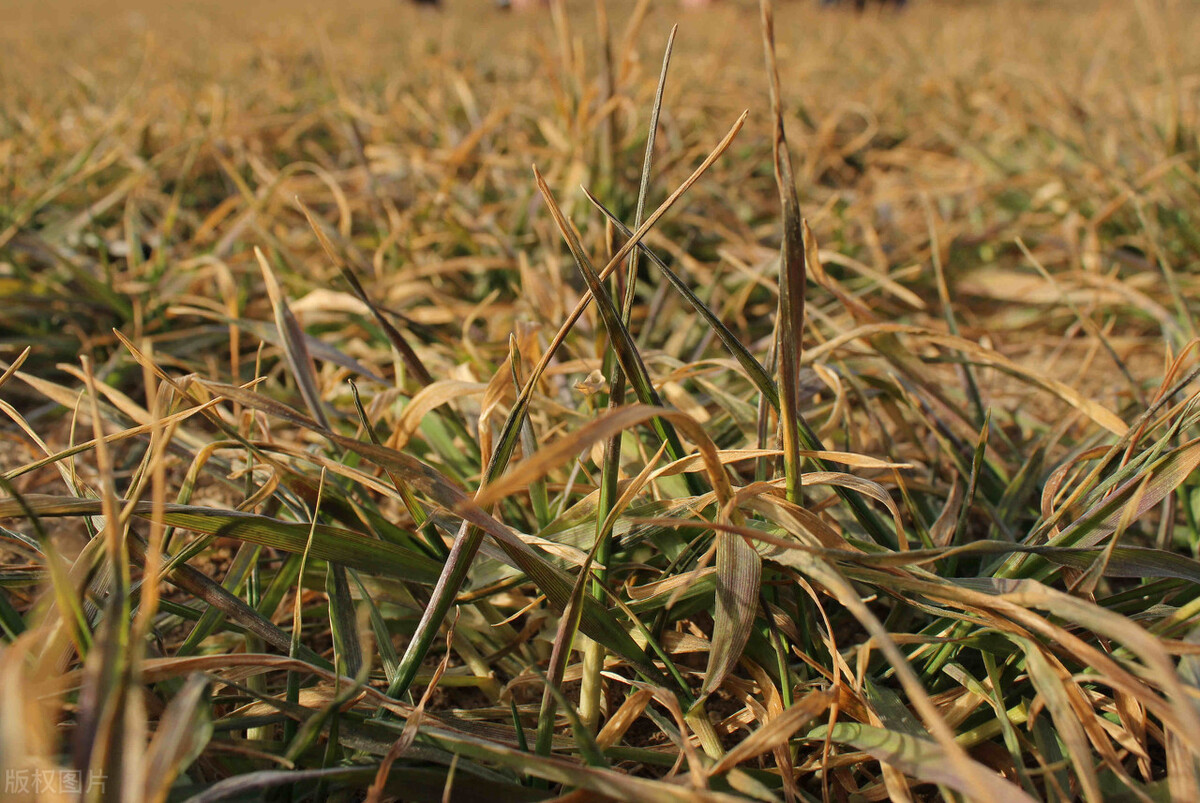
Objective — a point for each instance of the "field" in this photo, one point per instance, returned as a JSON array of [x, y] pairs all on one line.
[[838, 443]]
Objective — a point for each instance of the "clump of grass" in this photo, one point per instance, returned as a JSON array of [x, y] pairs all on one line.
[[844, 448]]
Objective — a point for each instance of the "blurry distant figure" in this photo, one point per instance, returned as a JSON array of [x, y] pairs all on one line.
[[521, 5], [861, 5], [429, 3]]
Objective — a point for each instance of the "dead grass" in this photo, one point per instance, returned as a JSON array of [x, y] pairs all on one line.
[[987, 587]]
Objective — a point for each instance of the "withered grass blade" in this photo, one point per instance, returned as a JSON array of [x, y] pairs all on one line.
[[792, 273], [295, 349]]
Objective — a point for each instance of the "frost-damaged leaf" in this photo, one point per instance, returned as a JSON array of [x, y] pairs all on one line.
[[538, 497], [791, 271], [739, 581], [619, 723], [343, 624], [294, 347], [737, 455], [918, 758], [183, 732], [15, 366], [1050, 684], [1128, 561], [1166, 474], [860, 311], [566, 449], [112, 712], [329, 543], [426, 401], [777, 731], [262, 403]]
